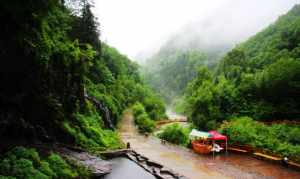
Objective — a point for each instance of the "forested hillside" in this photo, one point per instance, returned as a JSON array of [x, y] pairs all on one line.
[[202, 41], [252, 95], [59, 83], [170, 70], [259, 78], [64, 91]]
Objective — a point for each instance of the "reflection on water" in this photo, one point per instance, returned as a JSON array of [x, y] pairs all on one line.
[[124, 168]]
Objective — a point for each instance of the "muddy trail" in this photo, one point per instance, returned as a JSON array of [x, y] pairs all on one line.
[[195, 166]]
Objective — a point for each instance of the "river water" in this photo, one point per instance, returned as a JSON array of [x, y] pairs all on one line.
[[124, 168], [173, 115], [195, 166]]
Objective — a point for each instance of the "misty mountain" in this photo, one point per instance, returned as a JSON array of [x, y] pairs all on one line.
[[169, 67], [259, 78], [223, 26], [175, 63]]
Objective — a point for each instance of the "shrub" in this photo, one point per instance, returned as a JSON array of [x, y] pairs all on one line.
[[280, 139], [45, 168], [23, 168], [61, 168], [176, 134], [145, 124], [26, 163], [89, 134], [138, 109], [21, 152], [154, 107], [141, 119], [240, 130]]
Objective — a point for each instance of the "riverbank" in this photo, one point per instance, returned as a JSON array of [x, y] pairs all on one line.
[[192, 165], [276, 140]]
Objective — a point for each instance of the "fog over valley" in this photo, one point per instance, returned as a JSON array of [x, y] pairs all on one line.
[[172, 89], [140, 28]]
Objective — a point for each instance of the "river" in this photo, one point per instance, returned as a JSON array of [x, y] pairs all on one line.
[[173, 115], [195, 166]]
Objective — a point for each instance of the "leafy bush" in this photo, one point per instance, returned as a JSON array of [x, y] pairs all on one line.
[[154, 107], [141, 119], [138, 109], [88, 133], [152, 103], [60, 167], [45, 168], [145, 124], [23, 168], [176, 134], [26, 163], [280, 139]]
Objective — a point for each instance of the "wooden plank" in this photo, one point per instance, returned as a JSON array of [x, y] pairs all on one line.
[[237, 150], [268, 157]]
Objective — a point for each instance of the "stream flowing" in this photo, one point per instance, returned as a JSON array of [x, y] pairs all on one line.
[[173, 115]]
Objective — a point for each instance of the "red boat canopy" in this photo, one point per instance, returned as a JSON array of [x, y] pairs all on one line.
[[217, 136]]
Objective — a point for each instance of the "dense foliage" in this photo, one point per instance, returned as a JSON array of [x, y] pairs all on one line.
[[21, 162], [142, 119], [176, 134], [280, 139], [89, 131], [169, 71], [59, 82], [259, 78]]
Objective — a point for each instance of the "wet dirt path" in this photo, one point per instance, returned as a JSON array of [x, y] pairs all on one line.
[[195, 166]]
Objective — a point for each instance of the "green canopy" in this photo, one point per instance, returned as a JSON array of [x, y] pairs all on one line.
[[195, 134]]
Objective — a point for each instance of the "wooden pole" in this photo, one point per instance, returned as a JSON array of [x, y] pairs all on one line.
[[213, 149], [226, 146]]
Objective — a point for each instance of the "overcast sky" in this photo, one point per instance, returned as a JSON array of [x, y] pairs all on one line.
[[133, 26]]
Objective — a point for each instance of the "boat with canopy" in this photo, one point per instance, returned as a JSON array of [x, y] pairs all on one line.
[[207, 142]]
